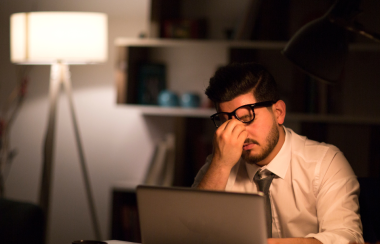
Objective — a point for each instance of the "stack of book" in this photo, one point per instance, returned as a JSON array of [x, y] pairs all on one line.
[[161, 170]]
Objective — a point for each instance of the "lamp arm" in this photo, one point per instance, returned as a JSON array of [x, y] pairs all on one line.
[[355, 27], [347, 10], [359, 29], [344, 13]]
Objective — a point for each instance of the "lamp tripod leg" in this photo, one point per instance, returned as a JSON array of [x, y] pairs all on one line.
[[68, 89], [48, 151]]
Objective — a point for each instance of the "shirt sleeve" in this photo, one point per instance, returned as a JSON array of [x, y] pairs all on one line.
[[337, 201], [202, 172]]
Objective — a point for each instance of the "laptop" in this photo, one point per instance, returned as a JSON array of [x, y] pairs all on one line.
[[175, 215]]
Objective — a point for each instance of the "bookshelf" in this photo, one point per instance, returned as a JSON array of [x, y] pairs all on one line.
[[125, 223], [181, 57], [190, 63]]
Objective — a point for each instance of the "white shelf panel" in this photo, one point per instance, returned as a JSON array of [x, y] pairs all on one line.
[[174, 111], [150, 42], [270, 45], [365, 47], [339, 119]]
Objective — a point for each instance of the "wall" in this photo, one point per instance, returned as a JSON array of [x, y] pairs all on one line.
[[116, 140], [222, 15]]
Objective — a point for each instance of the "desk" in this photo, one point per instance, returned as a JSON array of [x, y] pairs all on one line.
[[120, 242]]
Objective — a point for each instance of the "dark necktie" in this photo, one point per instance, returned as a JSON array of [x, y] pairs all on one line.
[[263, 185]]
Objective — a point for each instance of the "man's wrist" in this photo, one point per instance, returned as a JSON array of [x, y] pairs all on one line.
[[216, 177], [221, 165]]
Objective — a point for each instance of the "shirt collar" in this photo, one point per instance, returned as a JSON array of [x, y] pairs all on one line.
[[279, 165]]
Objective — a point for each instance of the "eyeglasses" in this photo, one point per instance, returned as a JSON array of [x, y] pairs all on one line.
[[245, 113]]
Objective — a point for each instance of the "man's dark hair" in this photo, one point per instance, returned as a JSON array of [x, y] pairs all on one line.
[[236, 79]]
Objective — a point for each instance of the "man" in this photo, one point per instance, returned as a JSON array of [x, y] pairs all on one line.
[[313, 194]]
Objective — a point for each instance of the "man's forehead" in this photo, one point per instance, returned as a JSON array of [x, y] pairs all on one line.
[[238, 101]]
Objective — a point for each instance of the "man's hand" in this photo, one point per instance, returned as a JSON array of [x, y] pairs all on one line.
[[228, 143], [293, 241], [228, 146]]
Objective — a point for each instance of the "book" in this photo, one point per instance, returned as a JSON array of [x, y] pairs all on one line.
[[184, 28], [154, 175], [151, 81], [168, 174]]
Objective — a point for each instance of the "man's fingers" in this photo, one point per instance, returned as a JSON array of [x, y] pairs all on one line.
[[237, 129], [228, 142], [233, 132], [231, 124], [232, 127], [242, 136], [225, 127]]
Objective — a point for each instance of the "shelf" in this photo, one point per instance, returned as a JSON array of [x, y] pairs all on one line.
[[155, 42], [365, 47], [174, 111], [291, 117], [338, 119], [271, 45]]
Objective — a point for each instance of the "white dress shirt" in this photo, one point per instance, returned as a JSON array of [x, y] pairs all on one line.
[[314, 194]]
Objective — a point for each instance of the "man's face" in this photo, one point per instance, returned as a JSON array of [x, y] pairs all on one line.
[[263, 132]]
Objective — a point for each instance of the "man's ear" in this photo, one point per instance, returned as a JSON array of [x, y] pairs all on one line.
[[279, 109], [216, 105]]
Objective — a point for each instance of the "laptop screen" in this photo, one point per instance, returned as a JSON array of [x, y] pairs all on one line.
[[187, 215]]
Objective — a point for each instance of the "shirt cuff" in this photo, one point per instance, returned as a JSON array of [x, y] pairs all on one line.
[[332, 238]]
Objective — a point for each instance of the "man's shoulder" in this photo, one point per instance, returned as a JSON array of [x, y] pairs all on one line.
[[310, 150]]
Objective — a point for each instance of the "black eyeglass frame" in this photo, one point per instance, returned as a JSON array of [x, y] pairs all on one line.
[[252, 106]]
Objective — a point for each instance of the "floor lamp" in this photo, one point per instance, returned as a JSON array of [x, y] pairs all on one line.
[[60, 39]]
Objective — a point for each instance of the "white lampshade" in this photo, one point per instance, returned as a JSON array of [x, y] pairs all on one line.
[[47, 37]]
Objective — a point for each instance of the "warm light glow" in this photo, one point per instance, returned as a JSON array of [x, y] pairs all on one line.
[[47, 37]]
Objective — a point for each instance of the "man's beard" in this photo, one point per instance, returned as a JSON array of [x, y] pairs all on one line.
[[271, 142]]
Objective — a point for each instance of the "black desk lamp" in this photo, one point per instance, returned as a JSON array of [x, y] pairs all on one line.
[[320, 47]]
